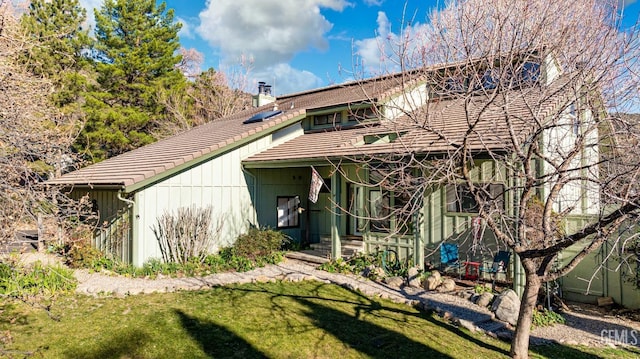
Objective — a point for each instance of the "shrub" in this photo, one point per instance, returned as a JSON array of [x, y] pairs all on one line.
[[81, 254], [187, 234], [545, 318], [260, 243], [35, 281], [481, 288], [336, 266]]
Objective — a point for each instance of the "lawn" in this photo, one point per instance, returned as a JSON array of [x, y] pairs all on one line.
[[274, 320]]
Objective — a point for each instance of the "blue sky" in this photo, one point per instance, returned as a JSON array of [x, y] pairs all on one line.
[[299, 44]]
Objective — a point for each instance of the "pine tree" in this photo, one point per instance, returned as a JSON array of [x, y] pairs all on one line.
[[59, 39], [137, 43]]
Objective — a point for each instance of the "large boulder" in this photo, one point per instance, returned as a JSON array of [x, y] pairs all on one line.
[[448, 285], [484, 299], [433, 281], [394, 281], [413, 278], [506, 306]]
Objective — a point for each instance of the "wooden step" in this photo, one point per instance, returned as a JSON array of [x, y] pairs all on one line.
[[311, 256]]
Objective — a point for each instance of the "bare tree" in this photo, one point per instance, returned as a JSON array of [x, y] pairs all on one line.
[[514, 125], [208, 96], [34, 137]]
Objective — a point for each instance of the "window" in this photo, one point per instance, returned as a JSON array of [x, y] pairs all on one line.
[[460, 199], [362, 114], [327, 119], [530, 72], [454, 84], [390, 210], [380, 208], [288, 214], [490, 79], [575, 119]]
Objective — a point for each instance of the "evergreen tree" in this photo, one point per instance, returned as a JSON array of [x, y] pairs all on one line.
[[58, 40], [138, 43]]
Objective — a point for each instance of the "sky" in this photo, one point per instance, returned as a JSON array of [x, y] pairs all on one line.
[[297, 45]]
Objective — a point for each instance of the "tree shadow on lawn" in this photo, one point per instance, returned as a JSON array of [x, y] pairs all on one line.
[[366, 304], [335, 322], [372, 340], [127, 344], [217, 341]]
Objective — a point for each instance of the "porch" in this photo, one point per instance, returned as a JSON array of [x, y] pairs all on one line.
[[321, 252]]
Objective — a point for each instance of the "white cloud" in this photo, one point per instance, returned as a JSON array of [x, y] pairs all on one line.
[[374, 51], [269, 31], [374, 2], [379, 54], [285, 79], [186, 31]]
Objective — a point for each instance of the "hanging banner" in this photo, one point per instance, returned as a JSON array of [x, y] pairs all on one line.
[[316, 185]]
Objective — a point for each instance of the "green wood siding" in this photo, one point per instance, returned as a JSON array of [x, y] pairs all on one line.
[[274, 183], [113, 233]]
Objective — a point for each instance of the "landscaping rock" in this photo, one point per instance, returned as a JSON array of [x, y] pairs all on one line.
[[506, 306], [373, 271], [413, 278], [394, 281], [447, 285], [436, 275], [431, 283], [485, 299], [467, 324]]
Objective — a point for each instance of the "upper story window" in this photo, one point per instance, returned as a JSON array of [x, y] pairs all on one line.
[[530, 72], [362, 114], [327, 119], [490, 79]]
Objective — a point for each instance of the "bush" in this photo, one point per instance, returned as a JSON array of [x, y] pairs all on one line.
[[260, 243], [257, 248], [545, 318], [186, 235], [34, 282]]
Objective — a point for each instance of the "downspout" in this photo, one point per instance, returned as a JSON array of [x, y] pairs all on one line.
[[126, 200], [132, 249]]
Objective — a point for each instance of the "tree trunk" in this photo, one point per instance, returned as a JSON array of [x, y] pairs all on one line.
[[520, 343]]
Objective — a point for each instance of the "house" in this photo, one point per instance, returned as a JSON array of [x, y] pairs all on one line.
[[255, 167]]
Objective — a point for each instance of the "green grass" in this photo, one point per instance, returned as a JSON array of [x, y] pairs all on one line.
[[275, 320]]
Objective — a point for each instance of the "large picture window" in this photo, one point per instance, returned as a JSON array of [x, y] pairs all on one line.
[[288, 214], [461, 200]]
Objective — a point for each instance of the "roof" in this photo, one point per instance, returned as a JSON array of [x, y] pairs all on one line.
[[163, 158], [446, 118], [443, 127]]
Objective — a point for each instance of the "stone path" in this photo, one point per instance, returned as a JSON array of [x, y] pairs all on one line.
[[581, 328]]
